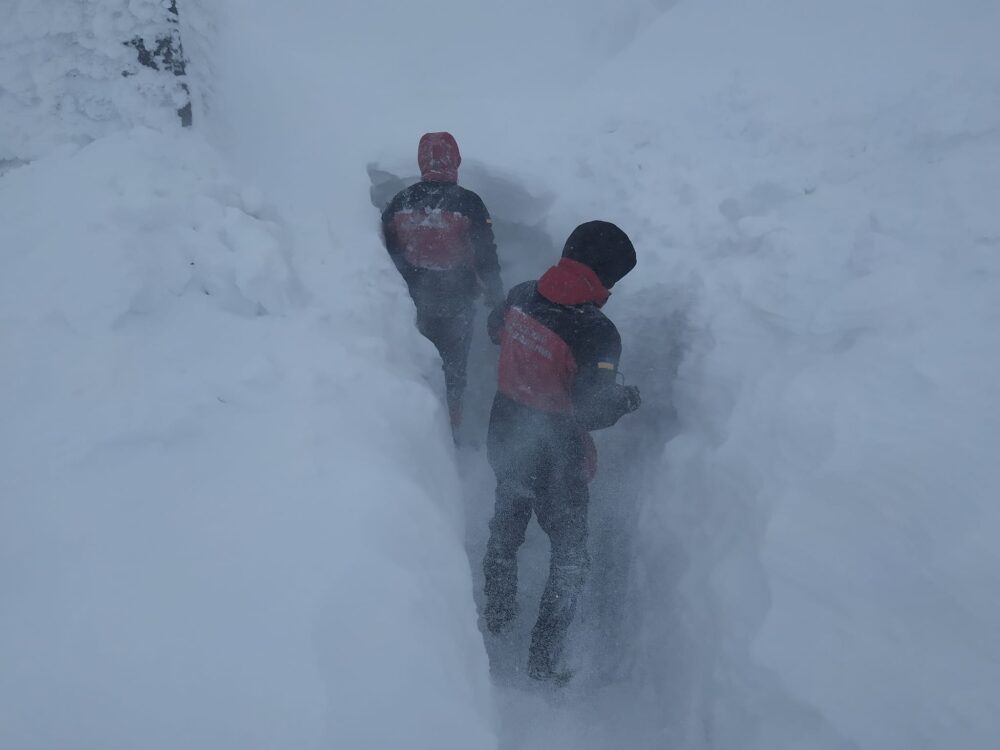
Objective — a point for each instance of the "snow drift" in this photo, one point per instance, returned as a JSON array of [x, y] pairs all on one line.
[[220, 504]]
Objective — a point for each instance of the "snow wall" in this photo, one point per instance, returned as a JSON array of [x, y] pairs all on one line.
[[230, 516]]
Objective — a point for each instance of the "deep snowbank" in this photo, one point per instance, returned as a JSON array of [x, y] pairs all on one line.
[[223, 523], [823, 186]]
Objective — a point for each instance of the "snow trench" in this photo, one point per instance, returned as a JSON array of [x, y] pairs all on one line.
[[647, 642]]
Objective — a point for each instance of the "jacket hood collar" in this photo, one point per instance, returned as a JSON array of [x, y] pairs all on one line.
[[572, 283]]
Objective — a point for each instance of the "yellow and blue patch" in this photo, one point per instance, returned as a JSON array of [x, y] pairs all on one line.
[[605, 365]]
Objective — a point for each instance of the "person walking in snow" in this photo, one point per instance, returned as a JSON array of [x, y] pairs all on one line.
[[557, 381], [440, 237]]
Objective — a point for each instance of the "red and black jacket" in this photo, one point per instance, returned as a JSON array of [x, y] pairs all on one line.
[[440, 237], [557, 377], [559, 353]]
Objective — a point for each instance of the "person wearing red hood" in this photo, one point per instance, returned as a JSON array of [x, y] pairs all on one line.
[[557, 381], [440, 237]]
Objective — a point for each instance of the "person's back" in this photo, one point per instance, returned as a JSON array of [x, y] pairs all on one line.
[[556, 381], [440, 237]]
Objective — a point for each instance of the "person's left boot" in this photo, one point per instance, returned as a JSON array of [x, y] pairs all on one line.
[[541, 668]]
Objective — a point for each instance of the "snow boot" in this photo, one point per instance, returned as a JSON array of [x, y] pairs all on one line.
[[541, 669]]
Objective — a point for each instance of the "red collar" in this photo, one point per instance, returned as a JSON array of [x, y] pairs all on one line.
[[572, 283]]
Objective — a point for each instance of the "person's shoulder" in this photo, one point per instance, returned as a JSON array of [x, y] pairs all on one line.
[[600, 325], [469, 198], [466, 192], [398, 200], [520, 293]]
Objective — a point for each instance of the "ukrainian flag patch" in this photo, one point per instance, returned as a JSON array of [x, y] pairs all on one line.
[[605, 365]]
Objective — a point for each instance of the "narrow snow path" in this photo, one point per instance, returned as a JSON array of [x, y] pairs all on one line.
[[603, 705]]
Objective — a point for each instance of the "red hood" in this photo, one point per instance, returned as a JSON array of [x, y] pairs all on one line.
[[438, 157], [572, 283]]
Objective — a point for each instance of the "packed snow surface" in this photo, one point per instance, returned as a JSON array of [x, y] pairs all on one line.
[[231, 514]]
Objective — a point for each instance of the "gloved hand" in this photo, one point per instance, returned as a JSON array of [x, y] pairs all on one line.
[[493, 297], [632, 399], [494, 324], [492, 291]]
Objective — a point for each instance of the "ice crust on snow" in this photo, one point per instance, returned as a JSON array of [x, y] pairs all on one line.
[[230, 513]]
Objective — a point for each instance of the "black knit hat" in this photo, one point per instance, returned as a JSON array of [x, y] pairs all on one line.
[[603, 247]]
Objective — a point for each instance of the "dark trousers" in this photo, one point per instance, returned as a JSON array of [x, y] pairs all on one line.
[[542, 471], [452, 335]]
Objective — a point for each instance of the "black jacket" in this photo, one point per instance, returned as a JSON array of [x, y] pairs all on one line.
[[440, 237]]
